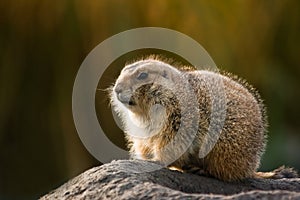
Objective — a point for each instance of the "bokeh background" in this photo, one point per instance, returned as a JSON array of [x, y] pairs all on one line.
[[43, 43]]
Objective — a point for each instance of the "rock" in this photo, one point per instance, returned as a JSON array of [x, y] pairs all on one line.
[[127, 179]]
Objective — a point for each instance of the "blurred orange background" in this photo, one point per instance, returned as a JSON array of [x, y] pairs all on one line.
[[43, 44]]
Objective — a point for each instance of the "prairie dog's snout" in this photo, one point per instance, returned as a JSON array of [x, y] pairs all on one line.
[[124, 94]]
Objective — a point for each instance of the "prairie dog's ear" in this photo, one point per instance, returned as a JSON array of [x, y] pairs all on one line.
[[165, 74], [169, 74]]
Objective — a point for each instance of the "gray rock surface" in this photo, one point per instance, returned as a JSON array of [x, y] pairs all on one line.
[[120, 180]]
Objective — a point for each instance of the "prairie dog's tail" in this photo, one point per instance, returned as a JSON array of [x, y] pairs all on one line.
[[281, 172]]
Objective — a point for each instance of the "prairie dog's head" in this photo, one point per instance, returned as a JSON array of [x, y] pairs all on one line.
[[138, 84]]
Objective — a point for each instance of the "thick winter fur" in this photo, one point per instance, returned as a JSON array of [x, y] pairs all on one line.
[[191, 118]]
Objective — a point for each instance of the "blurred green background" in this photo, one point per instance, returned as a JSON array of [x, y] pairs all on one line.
[[42, 44]]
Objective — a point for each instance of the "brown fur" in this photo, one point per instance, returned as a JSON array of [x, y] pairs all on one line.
[[178, 143]]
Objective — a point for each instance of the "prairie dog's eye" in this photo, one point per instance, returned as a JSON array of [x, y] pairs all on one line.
[[142, 76]]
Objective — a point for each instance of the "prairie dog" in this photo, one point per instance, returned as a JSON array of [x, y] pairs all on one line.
[[191, 119]]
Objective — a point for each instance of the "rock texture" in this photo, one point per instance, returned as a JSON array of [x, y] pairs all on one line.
[[127, 179]]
